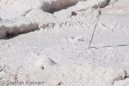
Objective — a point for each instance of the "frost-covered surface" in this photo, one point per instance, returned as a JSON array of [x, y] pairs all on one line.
[[73, 75], [58, 52], [19, 16]]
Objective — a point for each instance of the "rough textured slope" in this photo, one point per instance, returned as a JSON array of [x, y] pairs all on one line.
[[58, 53], [68, 75], [19, 16]]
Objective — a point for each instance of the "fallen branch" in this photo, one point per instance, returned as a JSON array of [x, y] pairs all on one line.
[[94, 28]]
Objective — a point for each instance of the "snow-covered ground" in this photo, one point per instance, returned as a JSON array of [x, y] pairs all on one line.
[[56, 52]]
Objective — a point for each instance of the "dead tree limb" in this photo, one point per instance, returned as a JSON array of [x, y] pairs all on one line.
[[94, 28]]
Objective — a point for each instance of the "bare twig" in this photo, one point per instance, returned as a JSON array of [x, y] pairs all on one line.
[[94, 27]]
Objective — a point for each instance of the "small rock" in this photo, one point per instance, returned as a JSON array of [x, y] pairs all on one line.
[[59, 83], [73, 13], [1, 70]]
